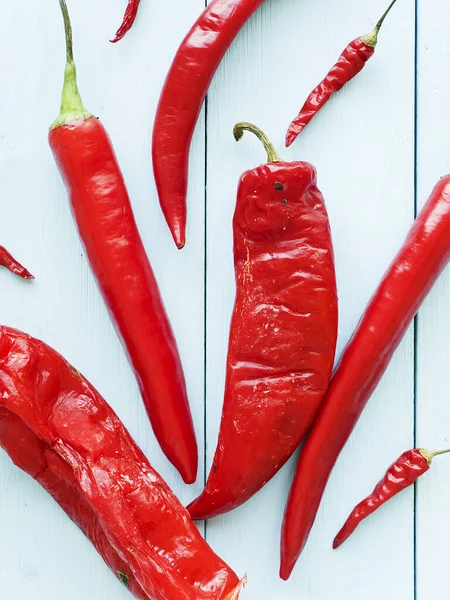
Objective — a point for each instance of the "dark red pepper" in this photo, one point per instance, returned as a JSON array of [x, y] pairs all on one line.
[[402, 474], [8, 261], [283, 331], [350, 63], [57, 428], [412, 274], [128, 20], [181, 100], [104, 216]]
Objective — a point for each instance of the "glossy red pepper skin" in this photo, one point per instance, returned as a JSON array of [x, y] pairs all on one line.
[[128, 20], [8, 261], [402, 474], [283, 331], [102, 210], [350, 63], [399, 296], [181, 101], [57, 428]]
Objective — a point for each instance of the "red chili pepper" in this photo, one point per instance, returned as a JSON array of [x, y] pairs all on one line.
[[399, 296], [57, 428], [103, 213], [8, 261], [350, 63], [283, 332], [181, 100], [402, 474], [128, 20]]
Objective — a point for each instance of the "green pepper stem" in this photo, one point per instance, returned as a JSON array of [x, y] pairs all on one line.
[[238, 132], [428, 455], [72, 108], [372, 38]]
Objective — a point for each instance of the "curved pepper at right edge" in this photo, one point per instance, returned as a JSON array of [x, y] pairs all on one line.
[[411, 275], [283, 332]]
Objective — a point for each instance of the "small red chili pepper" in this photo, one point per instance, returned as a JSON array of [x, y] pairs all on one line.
[[57, 428], [411, 275], [128, 20], [283, 332], [104, 216], [350, 63], [181, 100], [8, 261], [402, 474]]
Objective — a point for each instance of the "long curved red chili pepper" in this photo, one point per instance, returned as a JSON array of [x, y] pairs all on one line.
[[128, 20], [350, 63], [181, 100], [57, 428], [104, 216], [402, 474], [8, 261], [283, 332], [408, 280]]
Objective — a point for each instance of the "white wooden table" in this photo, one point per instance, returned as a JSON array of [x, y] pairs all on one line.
[[379, 148]]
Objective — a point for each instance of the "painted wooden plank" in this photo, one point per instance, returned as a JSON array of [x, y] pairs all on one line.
[[42, 554], [433, 325], [363, 147]]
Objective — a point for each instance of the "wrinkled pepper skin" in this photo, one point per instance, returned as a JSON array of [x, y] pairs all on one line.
[[401, 475], [349, 64], [128, 20], [411, 275], [184, 91], [55, 426], [102, 210], [9, 262], [283, 331]]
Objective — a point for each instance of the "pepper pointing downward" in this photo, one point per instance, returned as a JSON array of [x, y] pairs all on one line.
[[350, 63], [283, 331], [104, 216], [8, 261], [403, 473]]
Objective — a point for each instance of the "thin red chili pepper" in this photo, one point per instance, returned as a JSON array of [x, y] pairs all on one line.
[[128, 20], [412, 274], [350, 63], [402, 474], [102, 210], [8, 261], [57, 428], [283, 332], [181, 100]]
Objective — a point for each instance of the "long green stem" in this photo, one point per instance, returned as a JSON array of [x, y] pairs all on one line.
[[238, 132], [72, 108], [372, 38]]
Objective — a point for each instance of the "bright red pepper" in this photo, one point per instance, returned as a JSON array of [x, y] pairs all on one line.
[[399, 296], [8, 261], [128, 20], [57, 428], [181, 100], [283, 331], [402, 474], [350, 63], [102, 210]]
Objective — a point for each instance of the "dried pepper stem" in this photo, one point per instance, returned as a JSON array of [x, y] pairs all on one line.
[[372, 38], [428, 456], [238, 132]]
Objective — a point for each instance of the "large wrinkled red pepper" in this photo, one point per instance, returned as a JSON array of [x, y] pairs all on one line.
[[102, 210], [399, 296], [283, 331], [350, 63], [181, 100], [402, 474], [57, 428]]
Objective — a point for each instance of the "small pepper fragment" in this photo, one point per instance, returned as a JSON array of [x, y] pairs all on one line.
[[128, 20], [8, 261]]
